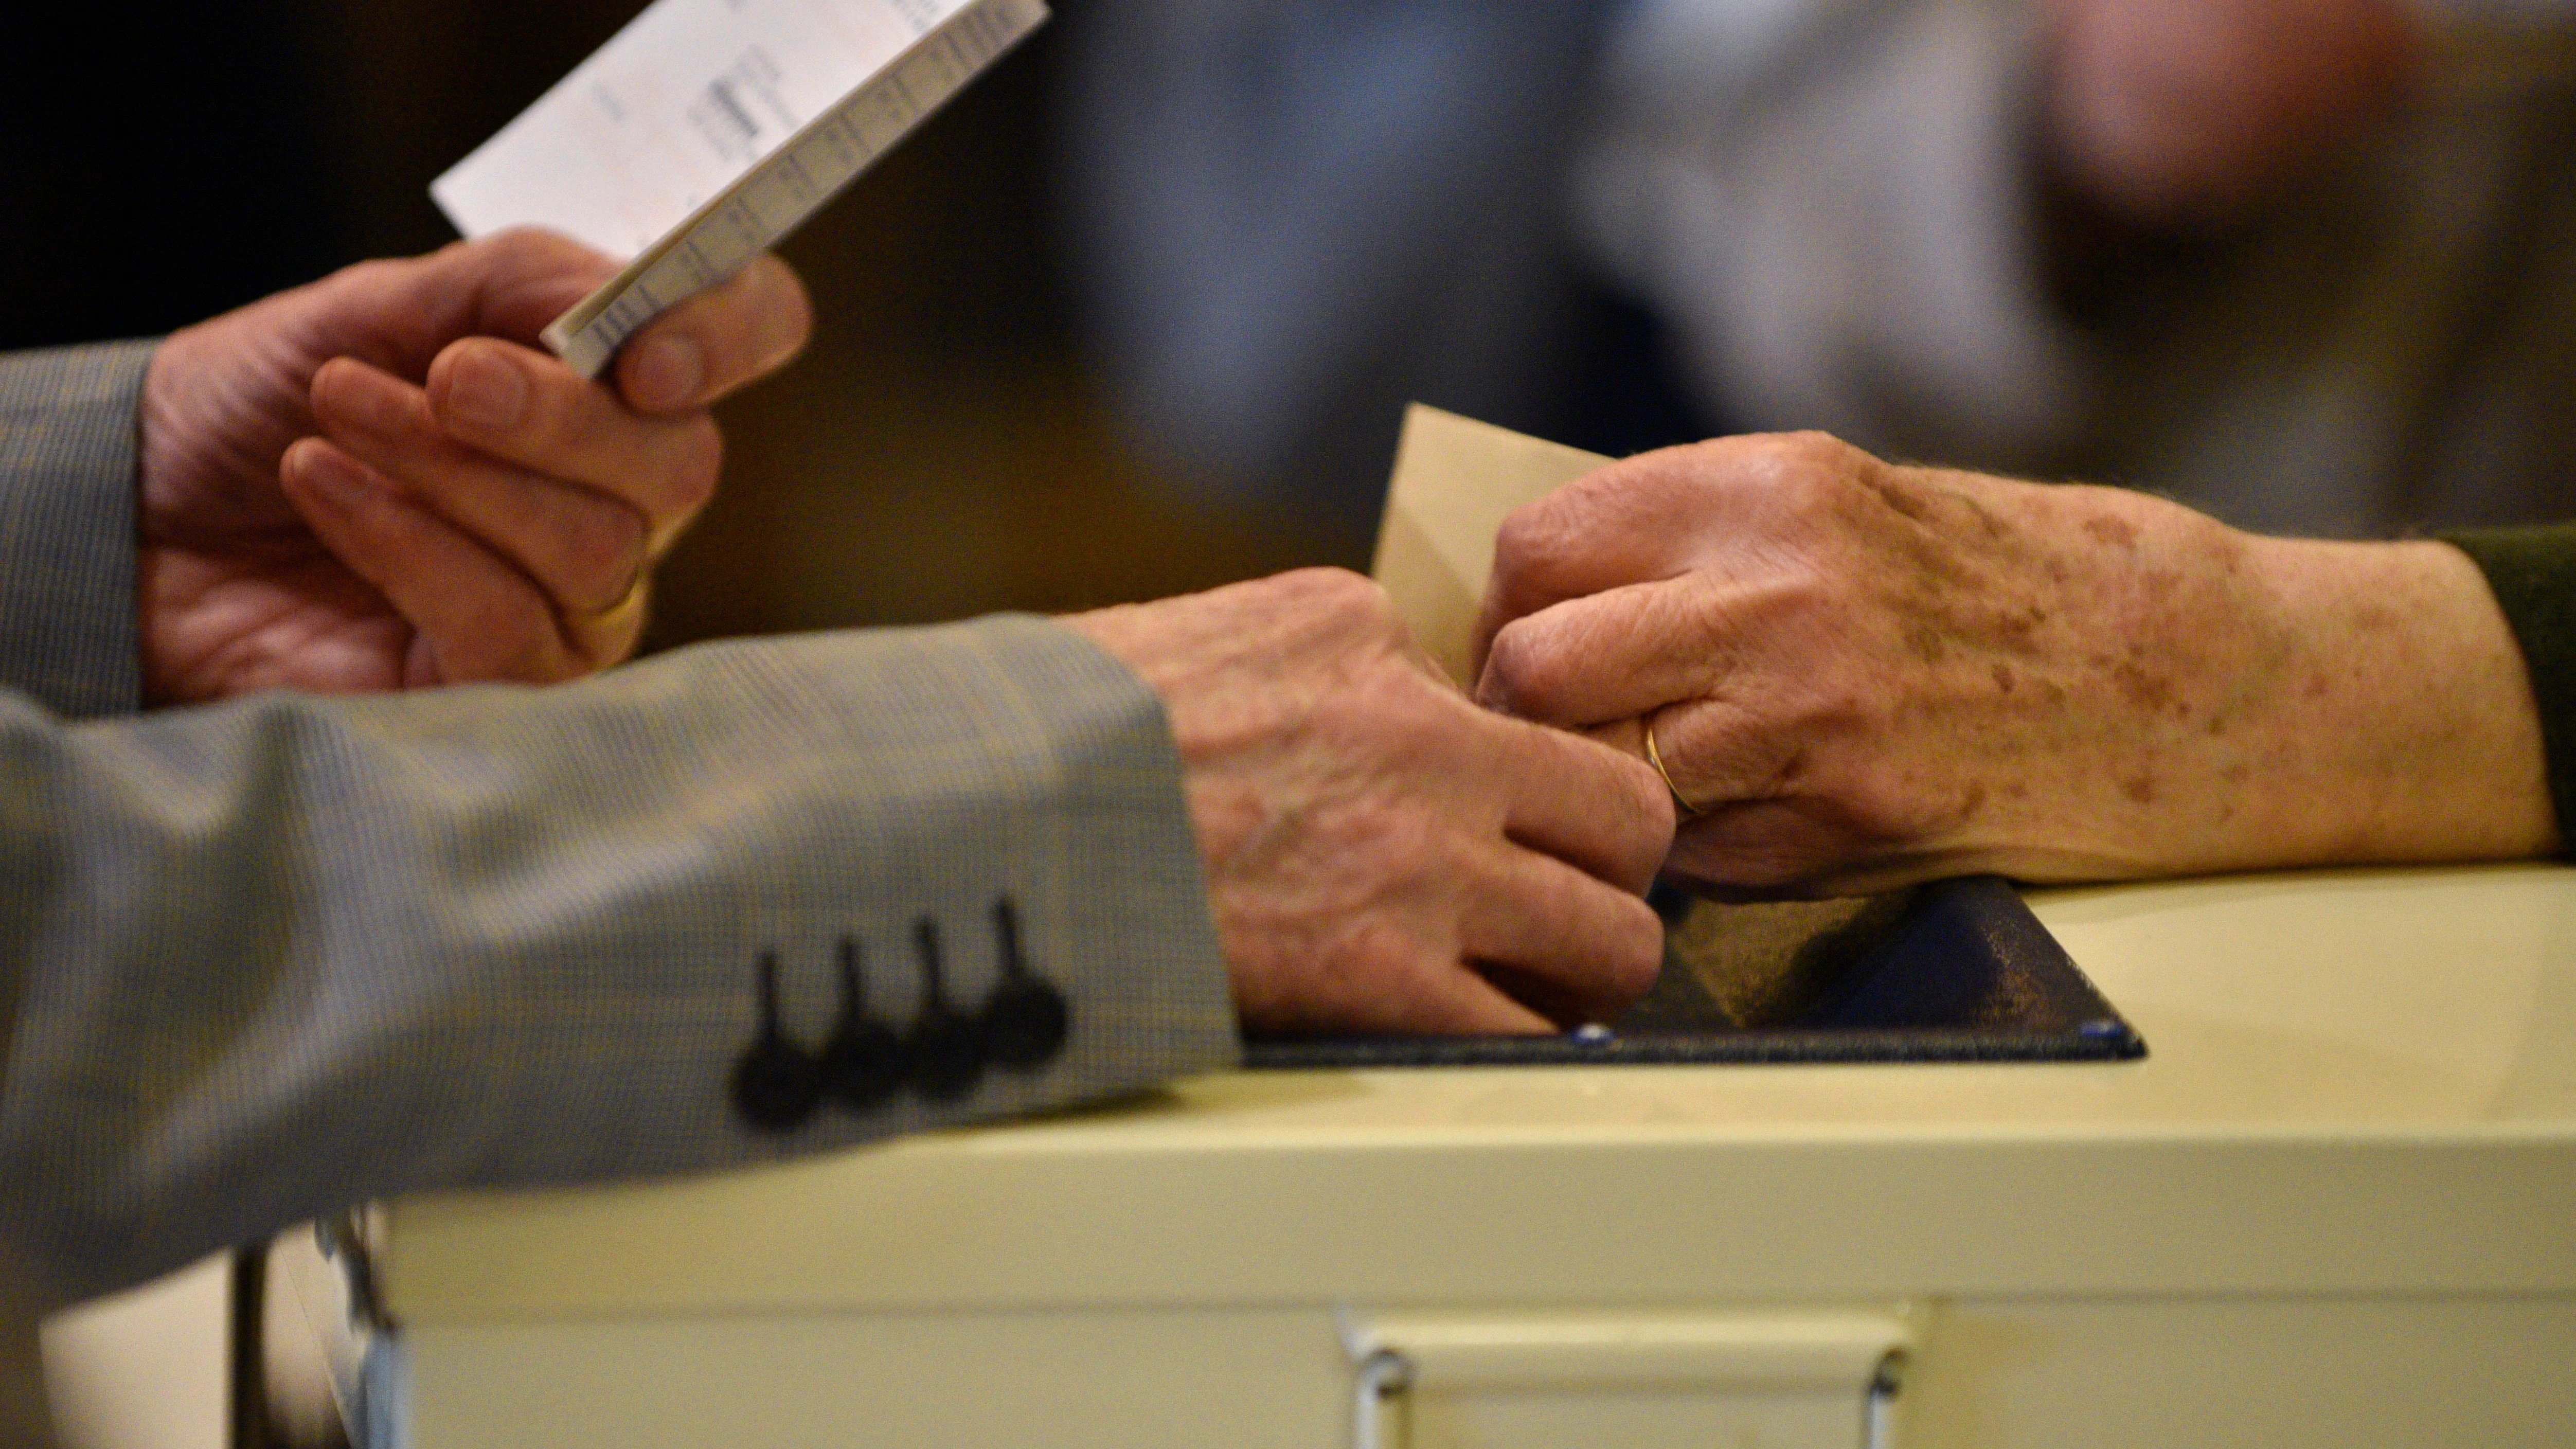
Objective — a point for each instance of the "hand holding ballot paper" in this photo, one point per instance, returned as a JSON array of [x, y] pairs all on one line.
[[709, 129], [377, 482], [1857, 675], [470, 509]]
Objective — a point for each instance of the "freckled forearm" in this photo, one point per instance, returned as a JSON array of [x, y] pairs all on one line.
[[2401, 724], [2235, 702]]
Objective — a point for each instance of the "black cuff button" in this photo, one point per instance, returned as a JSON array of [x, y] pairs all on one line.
[[863, 1061], [776, 1083], [944, 1053], [1025, 1019]]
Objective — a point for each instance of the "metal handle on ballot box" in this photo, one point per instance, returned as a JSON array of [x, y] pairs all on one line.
[[1689, 1375], [1384, 1376]]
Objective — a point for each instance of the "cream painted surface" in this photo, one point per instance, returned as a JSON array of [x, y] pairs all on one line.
[[2273, 1373], [1061, 1381], [2359, 1082], [2335, 1206], [1636, 1348], [145, 1369], [2148, 1373]]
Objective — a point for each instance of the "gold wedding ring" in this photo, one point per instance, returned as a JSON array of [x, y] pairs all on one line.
[[632, 601], [1655, 757]]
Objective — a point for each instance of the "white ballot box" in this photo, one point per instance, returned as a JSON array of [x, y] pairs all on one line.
[[2334, 1206]]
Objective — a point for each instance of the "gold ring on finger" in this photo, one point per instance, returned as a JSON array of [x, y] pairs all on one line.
[[631, 601], [1655, 757]]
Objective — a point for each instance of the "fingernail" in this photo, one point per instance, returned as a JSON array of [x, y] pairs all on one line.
[[486, 392], [668, 372]]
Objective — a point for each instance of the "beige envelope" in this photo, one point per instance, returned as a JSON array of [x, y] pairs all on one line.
[[1456, 480]]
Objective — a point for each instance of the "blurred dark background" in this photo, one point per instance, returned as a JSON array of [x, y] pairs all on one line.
[[936, 454]]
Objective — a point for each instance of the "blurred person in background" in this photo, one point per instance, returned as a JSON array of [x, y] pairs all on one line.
[[1294, 216], [2308, 264]]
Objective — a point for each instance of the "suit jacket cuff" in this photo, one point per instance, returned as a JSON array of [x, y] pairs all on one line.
[[496, 936], [68, 435]]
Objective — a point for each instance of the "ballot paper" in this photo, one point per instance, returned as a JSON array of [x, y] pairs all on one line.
[[1727, 967], [1456, 480], [707, 130]]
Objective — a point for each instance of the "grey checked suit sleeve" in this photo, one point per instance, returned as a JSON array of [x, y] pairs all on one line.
[[284, 954], [67, 457]]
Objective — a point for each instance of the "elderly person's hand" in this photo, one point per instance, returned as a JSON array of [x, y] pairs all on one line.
[[377, 482], [1381, 854], [1862, 675], [2176, 113]]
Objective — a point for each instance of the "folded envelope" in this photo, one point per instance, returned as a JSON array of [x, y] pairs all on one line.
[[1456, 480]]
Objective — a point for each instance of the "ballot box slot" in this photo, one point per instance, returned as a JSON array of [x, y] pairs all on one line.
[[1956, 971]]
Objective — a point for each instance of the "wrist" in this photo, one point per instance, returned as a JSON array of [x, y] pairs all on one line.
[[2399, 724]]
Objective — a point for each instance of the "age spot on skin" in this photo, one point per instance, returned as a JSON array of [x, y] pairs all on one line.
[[2112, 532], [2004, 680], [2142, 687], [2141, 789], [2020, 625]]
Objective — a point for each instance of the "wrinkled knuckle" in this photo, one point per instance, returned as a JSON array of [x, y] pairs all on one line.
[[1808, 493], [556, 421], [1323, 587], [1565, 534], [1818, 450], [1651, 816], [1355, 592], [1346, 599], [1832, 700], [1880, 805], [1809, 473], [1539, 538], [1526, 673], [1394, 847]]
